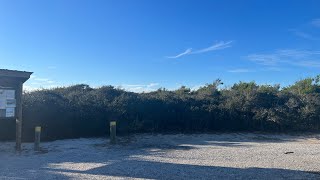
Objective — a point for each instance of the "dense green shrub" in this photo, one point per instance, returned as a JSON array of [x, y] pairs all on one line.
[[81, 111]]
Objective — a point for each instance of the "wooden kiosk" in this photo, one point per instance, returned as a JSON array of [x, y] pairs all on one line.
[[11, 88]]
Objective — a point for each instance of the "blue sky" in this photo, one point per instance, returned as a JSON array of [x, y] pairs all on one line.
[[142, 45]]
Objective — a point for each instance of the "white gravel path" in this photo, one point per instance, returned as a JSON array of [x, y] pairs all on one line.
[[205, 156]]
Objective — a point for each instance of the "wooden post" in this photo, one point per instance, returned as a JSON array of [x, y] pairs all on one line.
[[113, 128], [37, 136], [19, 117]]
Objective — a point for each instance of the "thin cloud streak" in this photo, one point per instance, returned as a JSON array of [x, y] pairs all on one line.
[[297, 53], [306, 31], [303, 34], [240, 71], [309, 64], [217, 46], [316, 22], [246, 70], [188, 51], [303, 58], [264, 59], [36, 83]]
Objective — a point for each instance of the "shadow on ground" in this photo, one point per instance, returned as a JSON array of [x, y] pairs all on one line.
[[161, 170], [99, 160]]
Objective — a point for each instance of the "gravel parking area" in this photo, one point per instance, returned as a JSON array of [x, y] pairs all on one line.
[[198, 156]]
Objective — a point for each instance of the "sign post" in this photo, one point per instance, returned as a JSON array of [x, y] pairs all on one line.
[[37, 135], [113, 133]]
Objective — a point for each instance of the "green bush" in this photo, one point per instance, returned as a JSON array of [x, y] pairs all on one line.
[[81, 111]]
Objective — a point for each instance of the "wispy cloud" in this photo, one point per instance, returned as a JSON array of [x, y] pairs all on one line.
[[309, 64], [240, 70], [248, 70], [37, 80], [303, 34], [139, 88], [35, 83], [308, 30], [186, 52], [303, 58], [217, 46], [275, 69], [29, 88], [316, 22], [43, 80], [264, 59], [293, 53], [32, 76]]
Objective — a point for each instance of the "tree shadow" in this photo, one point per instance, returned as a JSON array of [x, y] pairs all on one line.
[[162, 170], [171, 141], [94, 159]]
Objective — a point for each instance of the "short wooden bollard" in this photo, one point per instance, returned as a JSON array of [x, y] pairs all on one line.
[[113, 132], [37, 138]]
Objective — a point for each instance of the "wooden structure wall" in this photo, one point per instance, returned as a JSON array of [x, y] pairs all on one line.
[[13, 80]]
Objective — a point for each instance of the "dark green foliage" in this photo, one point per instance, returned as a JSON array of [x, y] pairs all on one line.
[[81, 111]]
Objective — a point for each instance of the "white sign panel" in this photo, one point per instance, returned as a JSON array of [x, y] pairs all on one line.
[[3, 103], [10, 94], [10, 112], [7, 103], [10, 103]]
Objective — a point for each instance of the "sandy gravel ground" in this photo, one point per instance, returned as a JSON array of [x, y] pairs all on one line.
[[205, 156]]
